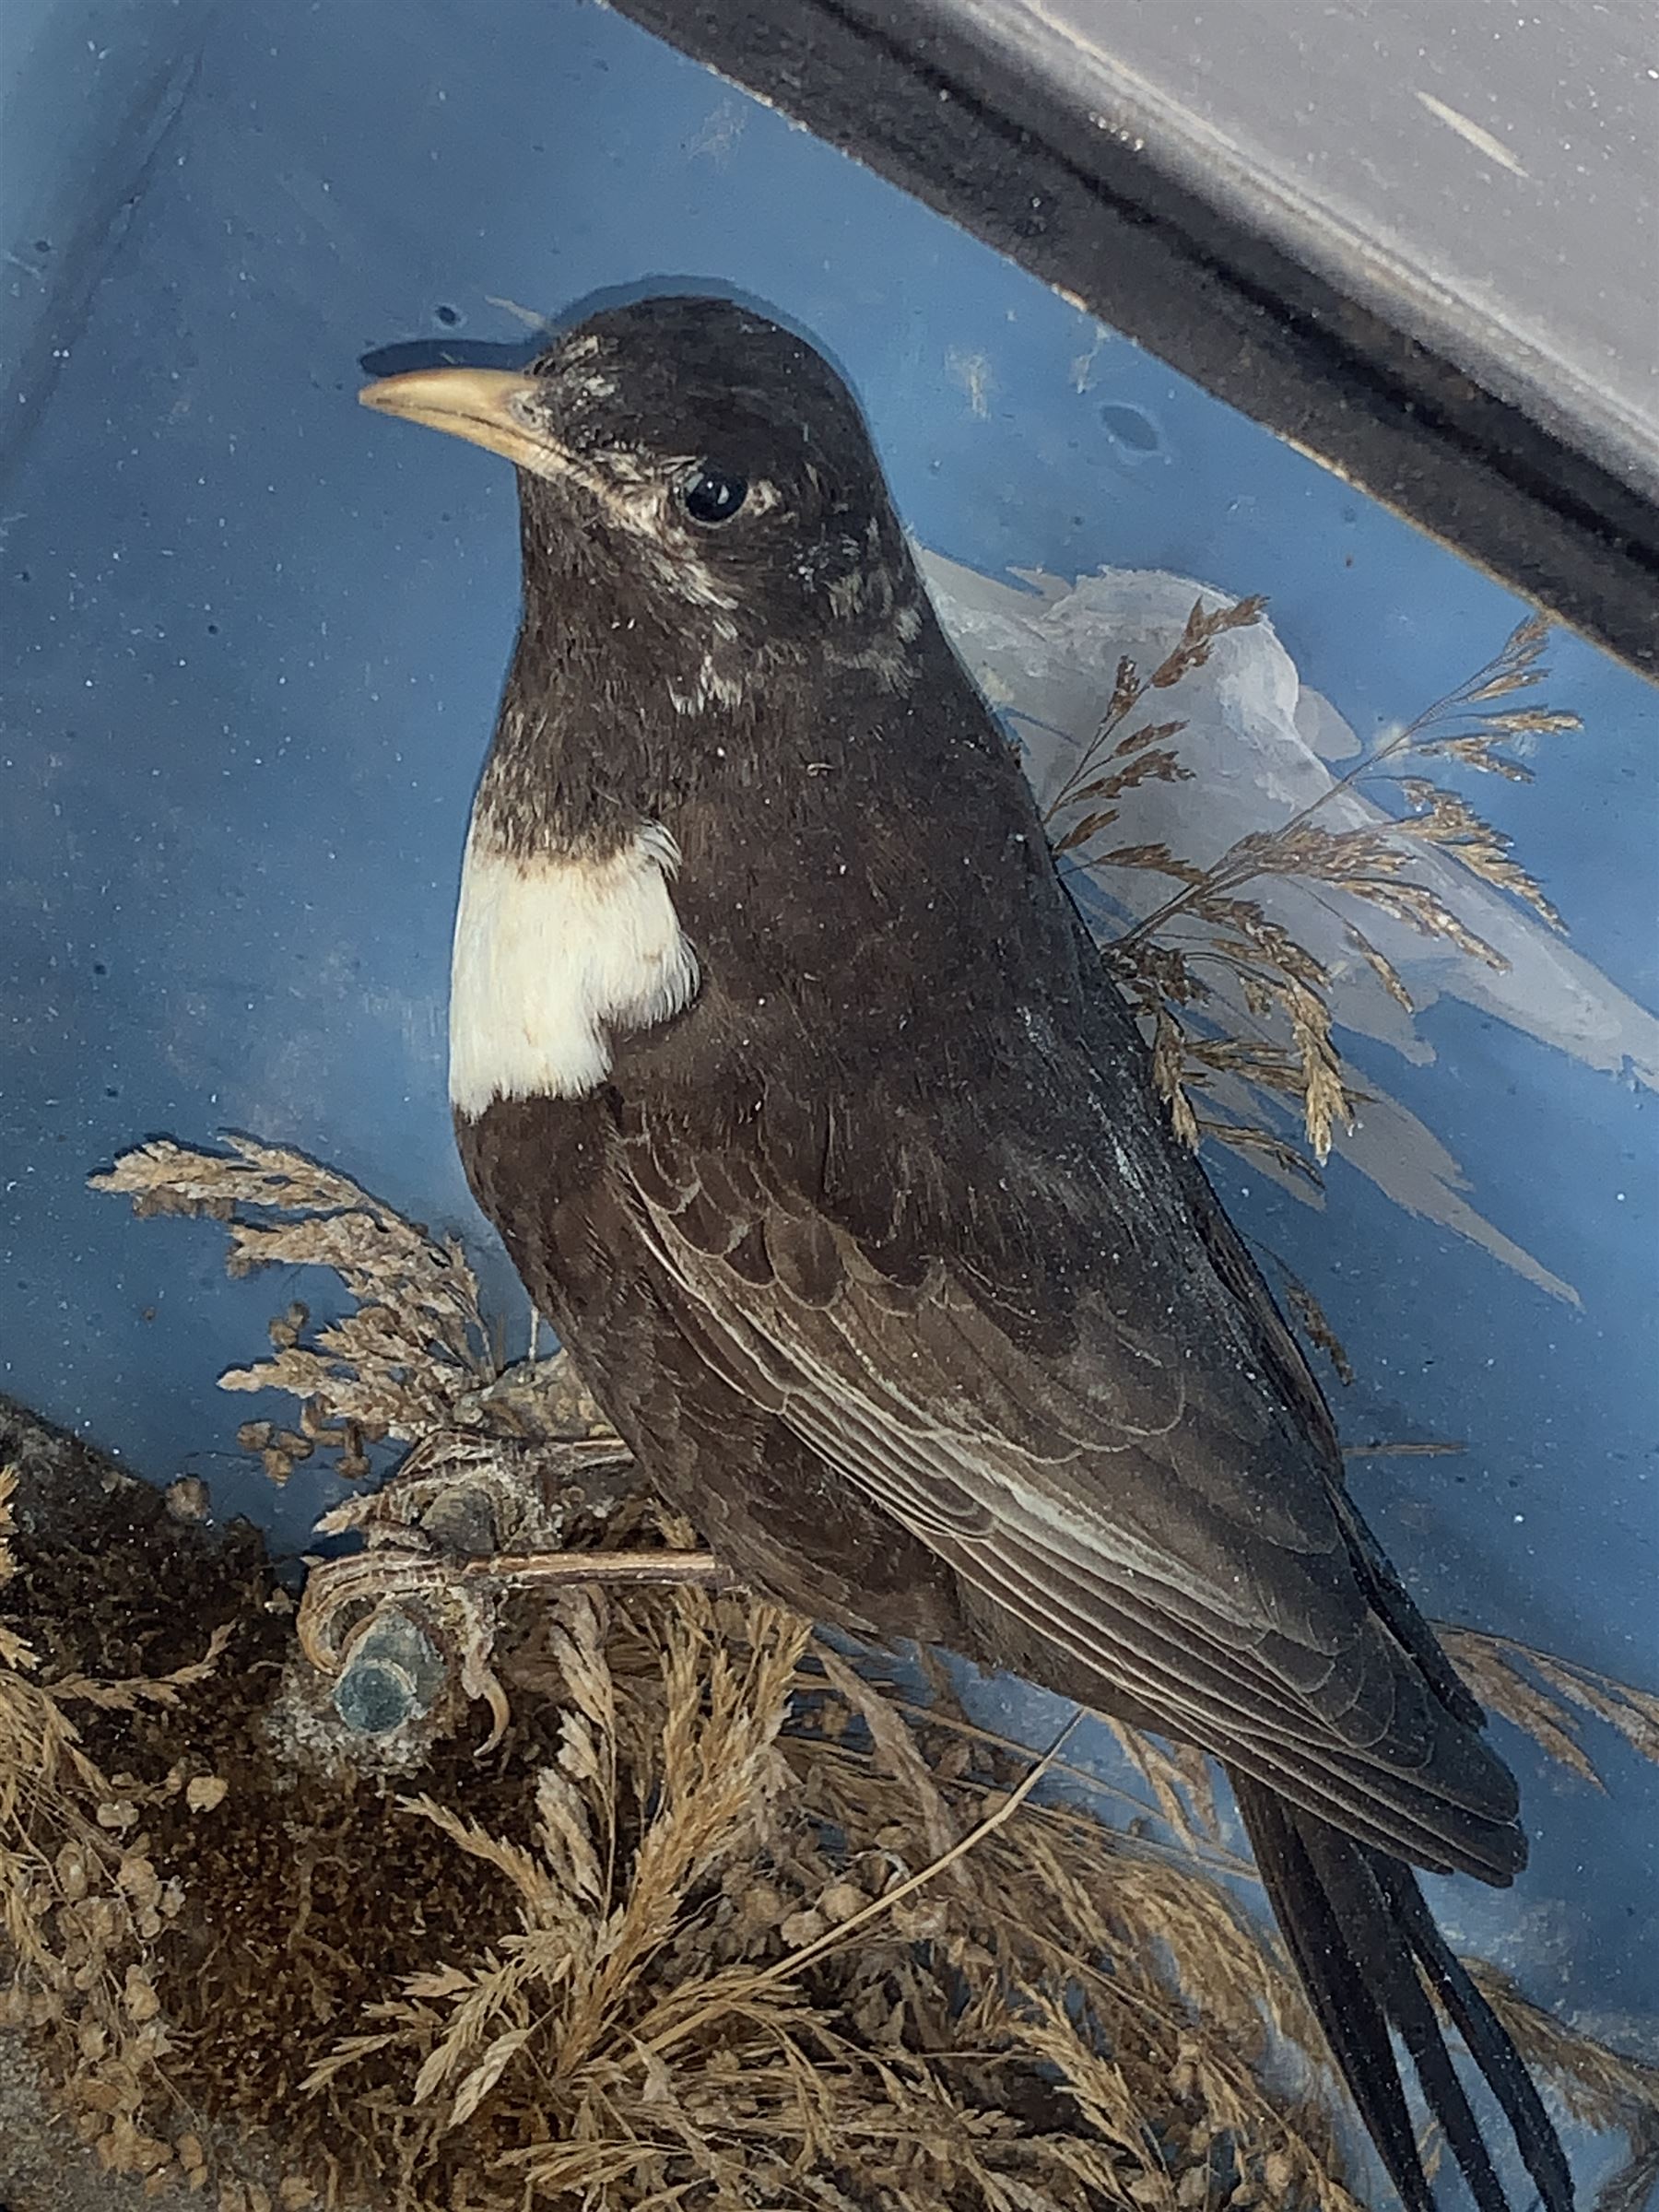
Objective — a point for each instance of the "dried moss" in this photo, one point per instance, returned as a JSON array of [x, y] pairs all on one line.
[[623, 1952], [718, 1922]]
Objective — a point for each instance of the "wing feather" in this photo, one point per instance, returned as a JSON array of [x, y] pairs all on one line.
[[1152, 1509]]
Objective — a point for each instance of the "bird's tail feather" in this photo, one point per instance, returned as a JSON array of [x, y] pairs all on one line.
[[1368, 1953]]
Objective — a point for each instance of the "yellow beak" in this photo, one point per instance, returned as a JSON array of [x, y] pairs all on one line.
[[487, 406]]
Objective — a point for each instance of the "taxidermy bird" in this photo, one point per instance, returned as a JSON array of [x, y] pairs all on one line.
[[792, 1079]]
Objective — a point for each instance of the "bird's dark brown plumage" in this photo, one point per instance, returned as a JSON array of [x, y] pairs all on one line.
[[877, 1249]]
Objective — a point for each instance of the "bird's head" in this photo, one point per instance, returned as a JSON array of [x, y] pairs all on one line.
[[687, 466]]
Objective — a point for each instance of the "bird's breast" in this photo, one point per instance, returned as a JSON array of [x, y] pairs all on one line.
[[555, 955]]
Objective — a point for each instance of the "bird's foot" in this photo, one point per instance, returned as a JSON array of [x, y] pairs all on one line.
[[473, 1513], [404, 1608], [387, 1573]]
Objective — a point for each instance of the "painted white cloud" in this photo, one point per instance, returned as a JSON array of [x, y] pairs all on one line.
[[1261, 745]]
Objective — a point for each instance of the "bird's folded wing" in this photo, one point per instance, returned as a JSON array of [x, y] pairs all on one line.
[[1098, 1449]]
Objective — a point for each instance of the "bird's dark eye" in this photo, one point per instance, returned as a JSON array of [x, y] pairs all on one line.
[[711, 496]]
